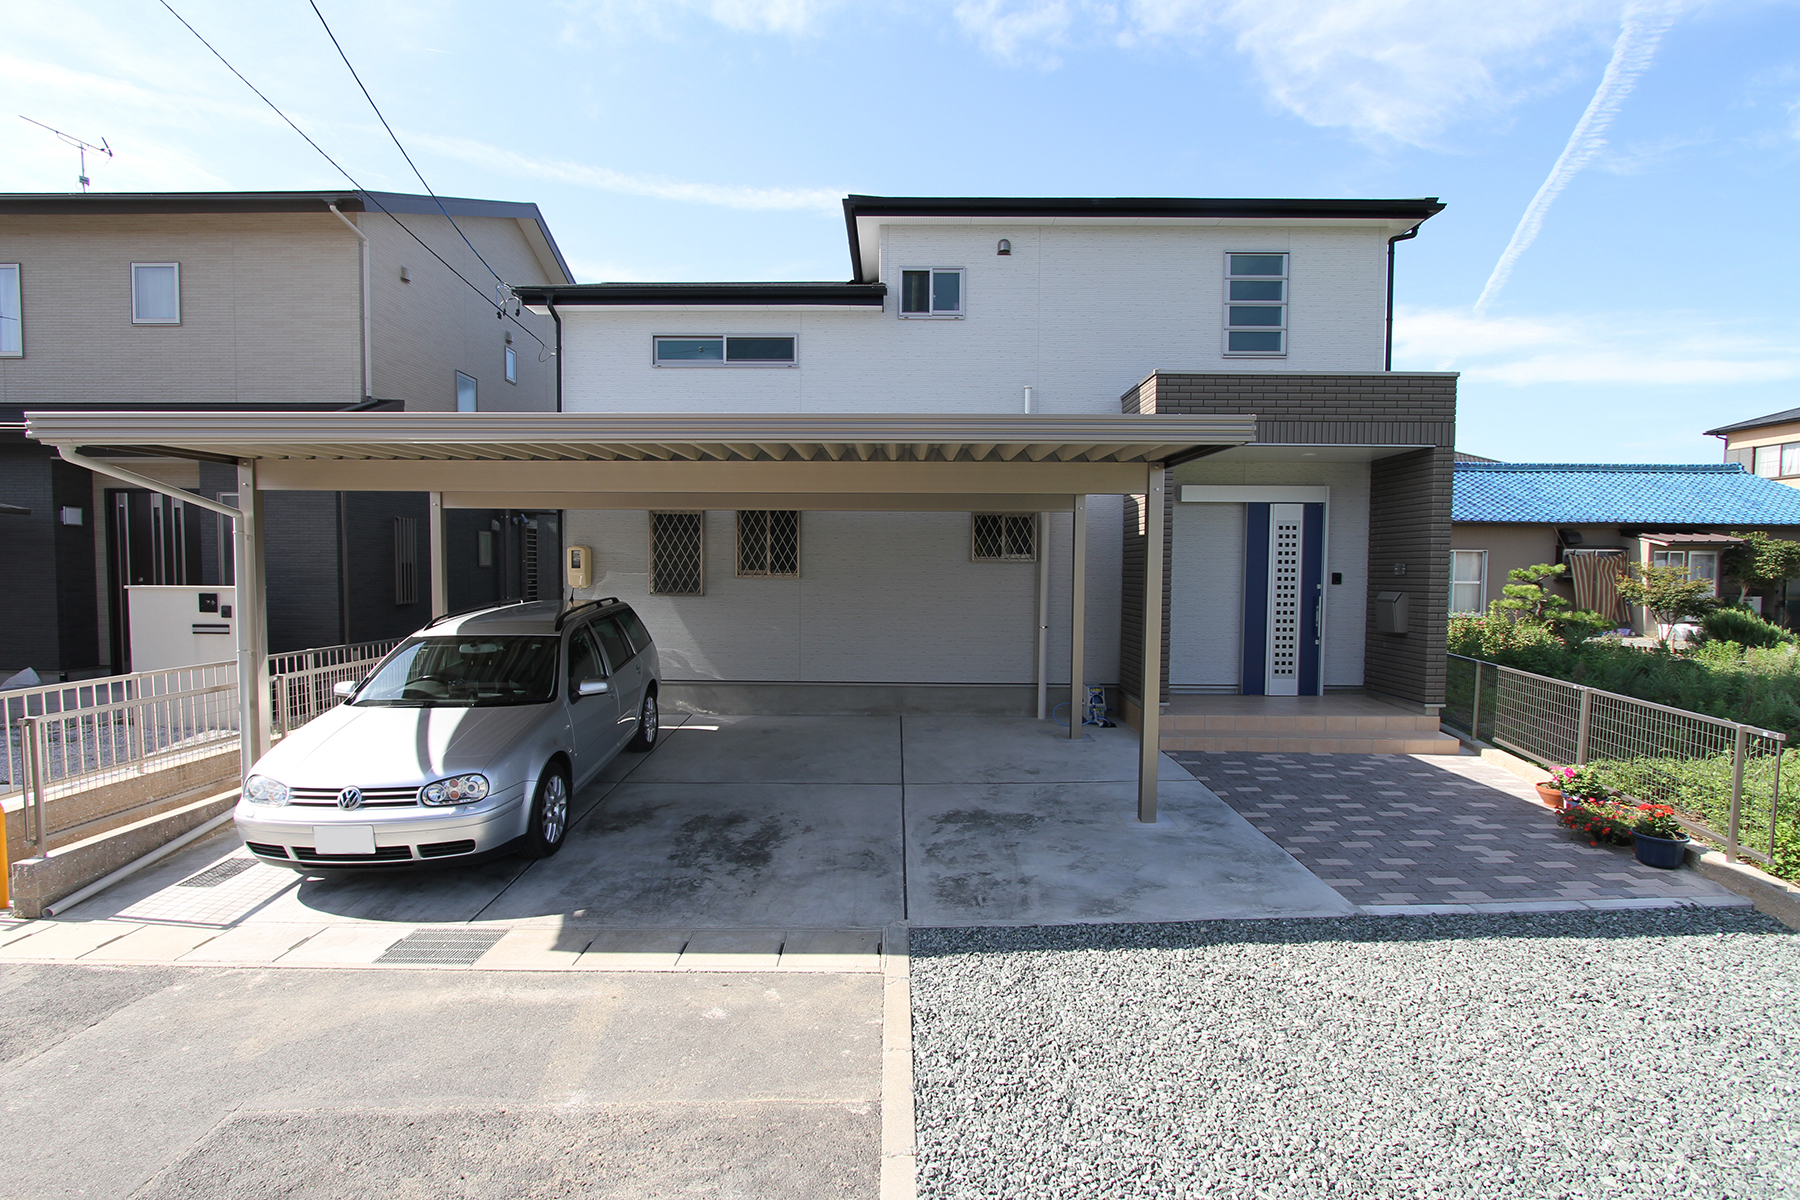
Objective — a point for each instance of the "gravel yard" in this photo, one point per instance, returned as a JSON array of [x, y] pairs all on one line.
[[1592, 1054]]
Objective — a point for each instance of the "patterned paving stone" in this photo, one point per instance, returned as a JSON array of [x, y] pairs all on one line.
[[1388, 829]]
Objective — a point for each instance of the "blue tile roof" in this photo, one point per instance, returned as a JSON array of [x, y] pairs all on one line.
[[1626, 493]]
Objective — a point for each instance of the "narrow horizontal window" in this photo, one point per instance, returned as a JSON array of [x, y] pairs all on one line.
[[1256, 299], [156, 293], [12, 326], [768, 543], [1003, 537], [725, 350], [677, 553], [933, 292]]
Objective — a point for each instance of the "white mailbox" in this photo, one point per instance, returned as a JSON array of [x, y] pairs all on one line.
[[180, 626]]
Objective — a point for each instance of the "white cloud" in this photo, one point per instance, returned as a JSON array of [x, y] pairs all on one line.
[[1397, 70], [789, 17], [1645, 349], [604, 179]]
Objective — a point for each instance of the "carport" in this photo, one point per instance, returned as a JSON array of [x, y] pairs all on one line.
[[921, 463]]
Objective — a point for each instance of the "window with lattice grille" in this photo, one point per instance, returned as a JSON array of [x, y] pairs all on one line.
[[768, 543], [1003, 537], [677, 553]]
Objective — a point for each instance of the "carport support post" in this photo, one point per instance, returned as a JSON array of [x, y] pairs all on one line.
[[252, 620], [1043, 616], [440, 569], [1150, 685], [1077, 614]]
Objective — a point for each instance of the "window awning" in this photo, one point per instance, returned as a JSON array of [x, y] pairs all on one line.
[[595, 460]]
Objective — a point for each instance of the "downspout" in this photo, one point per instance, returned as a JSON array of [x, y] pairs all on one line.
[[1388, 361], [368, 340], [550, 303]]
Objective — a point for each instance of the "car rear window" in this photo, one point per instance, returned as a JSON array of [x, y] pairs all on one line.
[[634, 629], [468, 671], [612, 640]]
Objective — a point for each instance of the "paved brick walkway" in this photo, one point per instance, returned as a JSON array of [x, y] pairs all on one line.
[[1395, 830]]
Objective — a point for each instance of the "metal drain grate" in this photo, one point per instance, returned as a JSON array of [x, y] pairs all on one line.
[[218, 873], [448, 947]]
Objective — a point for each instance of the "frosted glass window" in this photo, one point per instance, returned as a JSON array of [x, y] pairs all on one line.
[[1256, 304], [1768, 461], [465, 393], [512, 365], [1790, 459], [12, 330], [155, 293], [1468, 581]]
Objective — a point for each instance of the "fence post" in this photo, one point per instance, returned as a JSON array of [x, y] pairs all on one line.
[[1775, 802], [34, 773], [1581, 728], [1737, 793], [278, 684], [1475, 708]]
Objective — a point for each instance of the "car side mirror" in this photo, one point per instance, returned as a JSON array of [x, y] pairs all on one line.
[[343, 687], [593, 687]]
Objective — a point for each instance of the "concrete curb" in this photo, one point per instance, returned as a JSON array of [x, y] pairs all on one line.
[[899, 1153]]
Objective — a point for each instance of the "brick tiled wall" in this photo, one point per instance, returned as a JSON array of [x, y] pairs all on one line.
[[1409, 501]]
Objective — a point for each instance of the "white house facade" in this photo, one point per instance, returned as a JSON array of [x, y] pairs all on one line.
[[1305, 562]]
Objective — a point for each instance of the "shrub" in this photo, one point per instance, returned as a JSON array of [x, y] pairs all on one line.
[[1743, 627]]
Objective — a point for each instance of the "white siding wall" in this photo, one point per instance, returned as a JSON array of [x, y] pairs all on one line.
[[1206, 580], [1078, 313], [882, 597]]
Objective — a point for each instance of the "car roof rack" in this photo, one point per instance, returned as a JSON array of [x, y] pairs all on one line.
[[570, 611], [464, 612]]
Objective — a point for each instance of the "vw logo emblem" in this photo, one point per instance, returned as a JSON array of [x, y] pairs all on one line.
[[350, 798]]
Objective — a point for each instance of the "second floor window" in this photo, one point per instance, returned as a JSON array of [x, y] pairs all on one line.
[[465, 392], [156, 293], [937, 292], [512, 365], [724, 350], [12, 329], [1256, 300]]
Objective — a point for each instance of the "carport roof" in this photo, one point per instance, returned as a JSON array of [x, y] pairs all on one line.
[[661, 437]]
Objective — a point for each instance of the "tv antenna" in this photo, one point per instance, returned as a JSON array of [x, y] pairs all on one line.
[[81, 148]]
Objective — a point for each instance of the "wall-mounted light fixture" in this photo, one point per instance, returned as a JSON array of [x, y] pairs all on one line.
[[1005, 247]]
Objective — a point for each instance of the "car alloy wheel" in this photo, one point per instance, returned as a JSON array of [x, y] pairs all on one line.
[[555, 808], [648, 724]]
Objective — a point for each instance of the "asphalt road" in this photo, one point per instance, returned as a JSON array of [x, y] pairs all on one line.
[[200, 1083]]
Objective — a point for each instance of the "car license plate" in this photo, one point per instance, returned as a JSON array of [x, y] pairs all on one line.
[[344, 839]]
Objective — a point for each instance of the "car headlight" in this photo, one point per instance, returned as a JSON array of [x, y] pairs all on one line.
[[462, 789], [260, 789]]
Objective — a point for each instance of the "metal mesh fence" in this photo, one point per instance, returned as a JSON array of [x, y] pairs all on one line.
[[1727, 781]]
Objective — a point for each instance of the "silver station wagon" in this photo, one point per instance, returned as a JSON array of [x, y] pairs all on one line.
[[466, 741]]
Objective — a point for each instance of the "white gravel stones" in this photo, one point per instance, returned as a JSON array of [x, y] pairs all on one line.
[[1554, 1055]]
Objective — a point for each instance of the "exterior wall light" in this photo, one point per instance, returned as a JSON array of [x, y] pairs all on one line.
[[1005, 247]]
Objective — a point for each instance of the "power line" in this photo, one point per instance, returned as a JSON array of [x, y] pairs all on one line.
[[368, 195], [396, 137]]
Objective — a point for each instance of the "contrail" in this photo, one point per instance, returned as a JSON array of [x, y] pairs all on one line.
[[1643, 27]]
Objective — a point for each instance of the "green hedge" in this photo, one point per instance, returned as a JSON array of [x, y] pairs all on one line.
[[1701, 788]]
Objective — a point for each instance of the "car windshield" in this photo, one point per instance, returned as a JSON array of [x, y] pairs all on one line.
[[464, 672]]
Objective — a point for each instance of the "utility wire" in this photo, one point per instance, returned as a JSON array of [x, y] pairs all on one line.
[[396, 137], [368, 195]]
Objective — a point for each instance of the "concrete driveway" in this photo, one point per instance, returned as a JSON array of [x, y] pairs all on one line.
[[765, 835]]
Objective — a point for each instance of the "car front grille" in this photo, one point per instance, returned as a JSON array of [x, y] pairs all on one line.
[[378, 797], [382, 854], [443, 849]]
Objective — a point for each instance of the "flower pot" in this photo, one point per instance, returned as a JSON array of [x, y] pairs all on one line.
[[1550, 794], [1667, 853]]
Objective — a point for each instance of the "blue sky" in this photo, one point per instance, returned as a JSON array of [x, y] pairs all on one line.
[[712, 139]]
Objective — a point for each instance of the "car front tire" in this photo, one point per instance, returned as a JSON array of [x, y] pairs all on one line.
[[549, 812]]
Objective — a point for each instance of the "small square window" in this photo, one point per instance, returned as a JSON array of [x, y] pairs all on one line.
[[465, 393], [512, 365], [677, 553], [12, 327], [1256, 300], [156, 293], [1003, 537], [931, 292], [768, 543]]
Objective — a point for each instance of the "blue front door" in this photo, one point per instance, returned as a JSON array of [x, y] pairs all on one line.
[[1284, 599]]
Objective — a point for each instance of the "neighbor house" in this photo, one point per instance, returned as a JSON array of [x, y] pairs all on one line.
[[1310, 561], [1600, 519], [256, 302], [1766, 446]]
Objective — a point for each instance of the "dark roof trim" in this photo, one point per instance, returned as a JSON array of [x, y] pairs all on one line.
[[1124, 207], [1784, 417], [826, 295]]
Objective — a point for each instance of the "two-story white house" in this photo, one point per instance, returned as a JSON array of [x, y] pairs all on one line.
[[1312, 560]]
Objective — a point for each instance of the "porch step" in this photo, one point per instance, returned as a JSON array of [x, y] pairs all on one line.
[[1295, 742]]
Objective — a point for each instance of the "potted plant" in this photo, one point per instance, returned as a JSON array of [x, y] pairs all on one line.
[[1582, 783], [1601, 822], [1658, 837], [1550, 791]]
